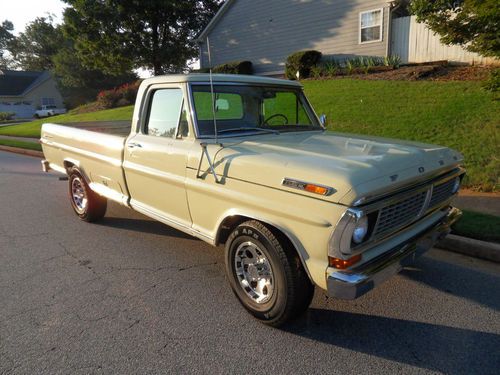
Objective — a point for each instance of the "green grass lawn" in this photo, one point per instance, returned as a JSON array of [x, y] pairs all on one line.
[[479, 226], [32, 129], [21, 144], [460, 115]]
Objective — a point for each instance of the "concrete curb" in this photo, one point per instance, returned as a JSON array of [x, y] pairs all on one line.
[[22, 151], [471, 247]]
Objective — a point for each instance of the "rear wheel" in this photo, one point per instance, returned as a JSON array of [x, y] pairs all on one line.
[[88, 205], [266, 274]]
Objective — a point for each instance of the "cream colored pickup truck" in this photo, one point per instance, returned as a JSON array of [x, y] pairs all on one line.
[[245, 161]]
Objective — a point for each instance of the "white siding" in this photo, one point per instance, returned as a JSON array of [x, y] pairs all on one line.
[[266, 32], [414, 42]]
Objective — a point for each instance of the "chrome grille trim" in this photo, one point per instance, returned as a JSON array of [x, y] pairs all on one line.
[[381, 199], [398, 214], [441, 192], [434, 194]]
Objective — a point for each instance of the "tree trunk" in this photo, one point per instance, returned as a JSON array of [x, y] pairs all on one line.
[[155, 48]]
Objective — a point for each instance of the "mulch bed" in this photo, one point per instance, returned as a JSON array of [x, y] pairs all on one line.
[[425, 72]]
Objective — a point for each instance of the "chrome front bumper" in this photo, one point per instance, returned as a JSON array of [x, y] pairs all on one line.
[[353, 283]]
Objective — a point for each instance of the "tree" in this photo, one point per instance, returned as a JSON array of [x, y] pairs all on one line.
[[34, 48], [79, 84], [6, 37], [474, 24], [112, 35]]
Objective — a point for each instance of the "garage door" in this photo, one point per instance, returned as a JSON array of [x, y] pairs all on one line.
[[21, 109]]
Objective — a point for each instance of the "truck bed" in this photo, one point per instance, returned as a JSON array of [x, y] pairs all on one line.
[[120, 128], [96, 150]]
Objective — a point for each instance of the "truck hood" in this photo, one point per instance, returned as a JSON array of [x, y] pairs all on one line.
[[354, 166]]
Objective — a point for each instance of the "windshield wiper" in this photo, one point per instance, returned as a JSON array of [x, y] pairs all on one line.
[[248, 129], [300, 127]]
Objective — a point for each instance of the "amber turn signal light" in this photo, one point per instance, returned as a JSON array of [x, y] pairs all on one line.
[[316, 189], [342, 264]]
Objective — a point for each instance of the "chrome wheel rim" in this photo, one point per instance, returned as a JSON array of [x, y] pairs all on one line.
[[254, 272], [78, 195]]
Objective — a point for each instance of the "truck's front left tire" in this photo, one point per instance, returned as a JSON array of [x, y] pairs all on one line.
[[88, 205], [266, 274]]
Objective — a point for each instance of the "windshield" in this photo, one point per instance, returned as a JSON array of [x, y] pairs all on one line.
[[246, 109]]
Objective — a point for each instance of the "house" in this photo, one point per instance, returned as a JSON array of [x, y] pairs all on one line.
[[266, 32], [22, 92]]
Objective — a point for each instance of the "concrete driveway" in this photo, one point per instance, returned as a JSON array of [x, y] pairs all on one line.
[[130, 295]]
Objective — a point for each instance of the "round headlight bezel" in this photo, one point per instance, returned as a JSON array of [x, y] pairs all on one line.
[[456, 186], [360, 230]]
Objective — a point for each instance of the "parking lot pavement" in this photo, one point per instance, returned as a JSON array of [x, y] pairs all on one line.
[[130, 295]]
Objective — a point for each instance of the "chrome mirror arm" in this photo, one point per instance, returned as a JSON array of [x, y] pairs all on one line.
[[204, 151]]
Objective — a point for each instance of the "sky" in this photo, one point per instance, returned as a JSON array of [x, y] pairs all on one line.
[[21, 12]]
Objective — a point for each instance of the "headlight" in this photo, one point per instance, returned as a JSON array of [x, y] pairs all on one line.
[[360, 230], [352, 229], [456, 185]]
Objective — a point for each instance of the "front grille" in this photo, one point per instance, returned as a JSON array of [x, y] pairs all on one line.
[[441, 193], [398, 214]]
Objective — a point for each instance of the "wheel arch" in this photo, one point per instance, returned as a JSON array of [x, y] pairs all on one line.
[[234, 218], [70, 163]]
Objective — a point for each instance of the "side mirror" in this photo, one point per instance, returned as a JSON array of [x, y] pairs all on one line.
[[322, 119], [221, 105]]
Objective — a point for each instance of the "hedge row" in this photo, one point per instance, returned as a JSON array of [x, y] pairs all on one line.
[[4, 116], [233, 67], [299, 64], [118, 97]]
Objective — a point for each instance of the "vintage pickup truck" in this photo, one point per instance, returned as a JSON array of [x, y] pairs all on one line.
[[245, 161]]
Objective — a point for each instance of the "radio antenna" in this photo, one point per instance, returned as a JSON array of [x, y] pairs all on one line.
[[204, 149], [212, 89]]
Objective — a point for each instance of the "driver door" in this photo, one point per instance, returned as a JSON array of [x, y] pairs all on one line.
[[156, 157]]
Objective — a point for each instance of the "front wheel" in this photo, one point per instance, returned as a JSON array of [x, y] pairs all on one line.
[[266, 274], [88, 205]]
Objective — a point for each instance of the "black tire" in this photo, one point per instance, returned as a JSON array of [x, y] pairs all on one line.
[[93, 206], [292, 291]]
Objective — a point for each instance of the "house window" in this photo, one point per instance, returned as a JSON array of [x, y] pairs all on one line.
[[48, 101], [370, 26]]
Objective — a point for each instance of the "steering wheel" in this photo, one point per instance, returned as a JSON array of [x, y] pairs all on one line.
[[266, 121]]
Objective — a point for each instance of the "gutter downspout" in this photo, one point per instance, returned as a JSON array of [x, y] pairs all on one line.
[[392, 7]]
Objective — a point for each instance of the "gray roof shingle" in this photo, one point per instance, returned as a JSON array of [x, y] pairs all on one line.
[[13, 82]]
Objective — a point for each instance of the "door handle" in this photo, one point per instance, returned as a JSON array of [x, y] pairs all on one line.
[[133, 145]]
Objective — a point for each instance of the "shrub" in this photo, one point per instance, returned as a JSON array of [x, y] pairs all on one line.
[[393, 60], [107, 98], [302, 62], [317, 71], [118, 97], [234, 67], [128, 91], [493, 82], [331, 67], [4, 116], [350, 65]]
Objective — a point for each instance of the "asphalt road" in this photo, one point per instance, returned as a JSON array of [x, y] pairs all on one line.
[[130, 295]]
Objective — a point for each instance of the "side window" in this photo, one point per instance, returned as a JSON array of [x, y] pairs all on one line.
[[164, 113]]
